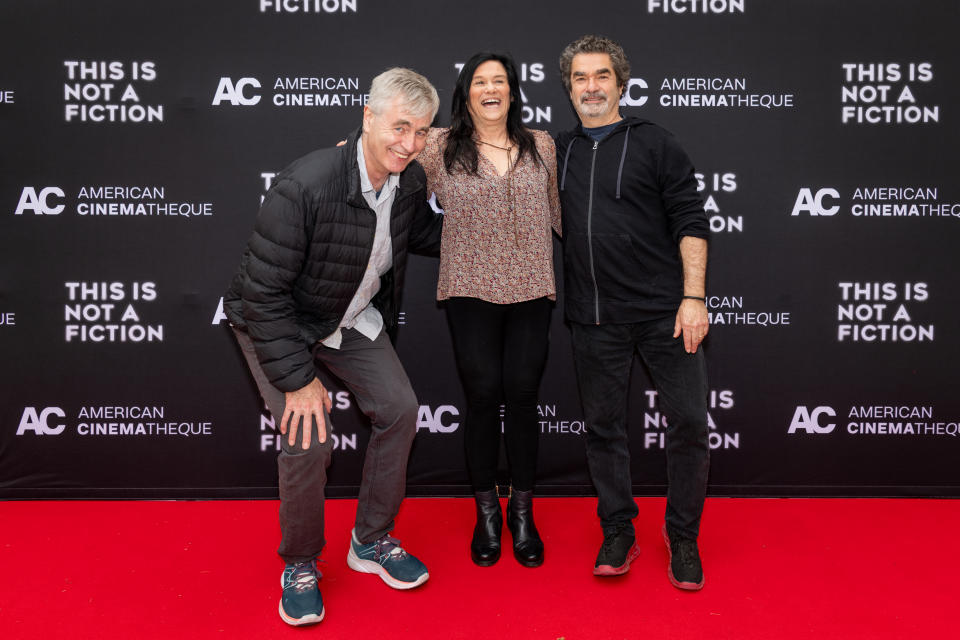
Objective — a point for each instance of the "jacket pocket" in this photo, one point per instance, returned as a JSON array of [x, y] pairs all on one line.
[[578, 283], [620, 271]]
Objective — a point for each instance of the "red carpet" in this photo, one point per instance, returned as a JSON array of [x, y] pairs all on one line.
[[774, 569]]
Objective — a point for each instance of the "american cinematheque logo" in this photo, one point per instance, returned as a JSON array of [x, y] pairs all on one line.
[[873, 420], [876, 202], [702, 92], [291, 91], [110, 420], [733, 310], [143, 201]]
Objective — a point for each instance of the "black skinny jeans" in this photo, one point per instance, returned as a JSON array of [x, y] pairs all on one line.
[[501, 350], [604, 355]]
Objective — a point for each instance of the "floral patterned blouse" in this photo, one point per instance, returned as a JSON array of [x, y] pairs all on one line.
[[497, 244]]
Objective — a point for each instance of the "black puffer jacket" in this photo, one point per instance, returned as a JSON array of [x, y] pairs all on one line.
[[627, 201], [308, 253]]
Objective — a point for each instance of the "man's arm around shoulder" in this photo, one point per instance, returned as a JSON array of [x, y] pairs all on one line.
[[427, 225]]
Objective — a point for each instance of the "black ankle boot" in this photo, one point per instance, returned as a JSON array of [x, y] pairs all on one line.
[[527, 545], [485, 546]]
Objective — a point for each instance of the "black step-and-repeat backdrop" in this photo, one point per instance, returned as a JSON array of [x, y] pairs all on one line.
[[139, 137]]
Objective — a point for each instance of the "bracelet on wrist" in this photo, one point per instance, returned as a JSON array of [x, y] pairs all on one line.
[[703, 300]]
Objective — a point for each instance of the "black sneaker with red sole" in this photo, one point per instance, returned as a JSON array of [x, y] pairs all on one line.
[[618, 550], [684, 570]]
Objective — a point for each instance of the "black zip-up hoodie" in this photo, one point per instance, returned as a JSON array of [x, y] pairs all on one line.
[[627, 201]]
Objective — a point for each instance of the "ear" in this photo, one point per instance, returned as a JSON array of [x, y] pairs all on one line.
[[367, 118]]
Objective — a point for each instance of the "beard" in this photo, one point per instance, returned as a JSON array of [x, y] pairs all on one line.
[[594, 109]]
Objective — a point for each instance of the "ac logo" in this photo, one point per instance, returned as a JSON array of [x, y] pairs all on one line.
[[40, 203], [809, 421], [628, 99], [219, 316], [233, 93], [433, 421], [815, 203], [39, 423]]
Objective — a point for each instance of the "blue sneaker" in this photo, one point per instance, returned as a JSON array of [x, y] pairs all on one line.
[[301, 602], [386, 558]]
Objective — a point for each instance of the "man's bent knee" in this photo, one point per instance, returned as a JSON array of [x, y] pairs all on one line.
[[398, 412]]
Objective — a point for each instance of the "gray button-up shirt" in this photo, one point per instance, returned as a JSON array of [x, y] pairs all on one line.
[[361, 315]]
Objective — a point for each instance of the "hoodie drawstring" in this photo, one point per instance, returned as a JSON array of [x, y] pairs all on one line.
[[566, 159], [623, 157]]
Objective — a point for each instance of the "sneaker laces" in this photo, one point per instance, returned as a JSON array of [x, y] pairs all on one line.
[[388, 547], [303, 577], [686, 553], [610, 536]]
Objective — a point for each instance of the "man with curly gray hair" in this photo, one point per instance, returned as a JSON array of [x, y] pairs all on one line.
[[635, 255], [595, 44], [319, 287]]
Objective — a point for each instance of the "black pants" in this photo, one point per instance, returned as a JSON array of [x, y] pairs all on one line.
[[501, 350], [603, 355]]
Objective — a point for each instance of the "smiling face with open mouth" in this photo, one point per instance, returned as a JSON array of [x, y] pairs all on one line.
[[489, 94], [392, 139]]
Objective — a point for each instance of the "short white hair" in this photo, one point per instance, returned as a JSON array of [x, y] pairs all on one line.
[[416, 93]]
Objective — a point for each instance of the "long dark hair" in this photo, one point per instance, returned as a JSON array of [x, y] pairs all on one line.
[[461, 150]]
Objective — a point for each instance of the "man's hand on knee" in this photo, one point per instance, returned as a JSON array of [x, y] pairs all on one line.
[[309, 401]]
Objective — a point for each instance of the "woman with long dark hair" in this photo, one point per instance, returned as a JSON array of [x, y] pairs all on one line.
[[496, 181]]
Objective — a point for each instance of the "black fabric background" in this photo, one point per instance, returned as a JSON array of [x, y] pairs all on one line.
[[776, 262]]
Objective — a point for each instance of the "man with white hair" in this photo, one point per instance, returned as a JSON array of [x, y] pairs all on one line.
[[320, 282]]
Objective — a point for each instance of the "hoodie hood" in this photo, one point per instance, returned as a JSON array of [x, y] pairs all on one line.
[[578, 133]]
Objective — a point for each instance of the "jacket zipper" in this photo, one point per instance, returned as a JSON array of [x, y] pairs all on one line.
[[593, 273]]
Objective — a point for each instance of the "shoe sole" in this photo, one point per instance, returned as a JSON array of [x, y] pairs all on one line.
[[686, 586], [369, 566], [310, 618], [606, 570], [489, 562], [529, 563]]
